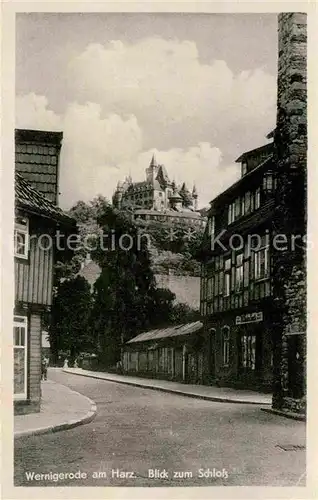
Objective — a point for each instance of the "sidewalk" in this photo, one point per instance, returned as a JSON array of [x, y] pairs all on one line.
[[220, 394], [61, 408]]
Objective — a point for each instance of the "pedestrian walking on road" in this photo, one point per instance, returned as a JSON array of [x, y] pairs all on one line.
[[45, 364], [65, 363]]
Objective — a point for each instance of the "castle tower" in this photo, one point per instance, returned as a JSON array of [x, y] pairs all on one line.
[[195, 197], [152, 170], [118, 195]]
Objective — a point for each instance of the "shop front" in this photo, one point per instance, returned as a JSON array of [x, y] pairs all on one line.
[[240, 352]]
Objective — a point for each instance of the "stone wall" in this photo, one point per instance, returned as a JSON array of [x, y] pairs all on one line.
[[289, 263]]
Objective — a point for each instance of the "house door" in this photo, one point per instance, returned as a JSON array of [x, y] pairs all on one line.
[[250, 355]]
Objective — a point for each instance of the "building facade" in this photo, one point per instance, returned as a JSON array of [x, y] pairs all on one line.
[[36, 222], [236, 290]]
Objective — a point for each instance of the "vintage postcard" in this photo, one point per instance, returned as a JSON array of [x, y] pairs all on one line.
[[156, 286]]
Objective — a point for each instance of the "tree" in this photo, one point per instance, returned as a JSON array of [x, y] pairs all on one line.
[[125, 289], [70, 317]]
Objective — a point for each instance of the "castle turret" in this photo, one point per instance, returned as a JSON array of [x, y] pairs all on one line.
[[195, 197], [152, 170], [175, 199]]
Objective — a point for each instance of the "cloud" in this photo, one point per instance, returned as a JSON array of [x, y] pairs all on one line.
[[125, 101], [32, 112], [94, 148], [177, 99]]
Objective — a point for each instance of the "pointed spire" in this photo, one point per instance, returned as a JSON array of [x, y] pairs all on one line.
[[153, 162], [194, 191]]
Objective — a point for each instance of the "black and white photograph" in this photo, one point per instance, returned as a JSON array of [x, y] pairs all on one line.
[[159, 250]]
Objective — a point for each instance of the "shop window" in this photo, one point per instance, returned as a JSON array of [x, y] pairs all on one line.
[[248, 346], [21, 238], [20, 330], [226, 345]]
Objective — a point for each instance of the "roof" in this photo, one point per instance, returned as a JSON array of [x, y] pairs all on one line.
[[38, 136], [242, 180], [260, 149], [162, 175], [172, 213], [33, 201], [172, 331]]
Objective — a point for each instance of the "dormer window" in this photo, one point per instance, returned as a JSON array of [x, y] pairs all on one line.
[[21, 238], [244, 168]]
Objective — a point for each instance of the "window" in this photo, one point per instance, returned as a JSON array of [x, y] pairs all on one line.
[[211, 226], [243, 205], [226, 345], [231, 213], [268, 182], [248, 346], [257, 202], [20, 356], [244, 168], [210, 286], [247, 205], [227, 277], [261, 263], [237, 208], [239, 273], [21, 238]]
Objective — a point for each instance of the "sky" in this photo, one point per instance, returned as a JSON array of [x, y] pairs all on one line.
[[195, 89]]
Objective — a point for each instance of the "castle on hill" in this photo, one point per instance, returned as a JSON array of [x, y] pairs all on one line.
[[157, 193]]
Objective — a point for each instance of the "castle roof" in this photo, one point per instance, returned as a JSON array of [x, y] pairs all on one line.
[[162, 175]]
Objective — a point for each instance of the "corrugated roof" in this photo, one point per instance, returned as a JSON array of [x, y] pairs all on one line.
[[171, 331], [31, 200]]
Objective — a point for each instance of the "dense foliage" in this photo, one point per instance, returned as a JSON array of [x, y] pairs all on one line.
[[124, 300]]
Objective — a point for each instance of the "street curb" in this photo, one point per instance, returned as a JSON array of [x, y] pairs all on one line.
[[171, 391], [90, 415], [280, 413]]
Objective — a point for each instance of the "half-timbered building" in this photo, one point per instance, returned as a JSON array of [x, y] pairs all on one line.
[[236, 289]]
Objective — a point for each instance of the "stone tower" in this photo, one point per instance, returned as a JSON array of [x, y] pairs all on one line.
[[289, 261], [152, 170]]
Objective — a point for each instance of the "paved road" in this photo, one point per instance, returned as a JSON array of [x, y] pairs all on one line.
[[138, 429]]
